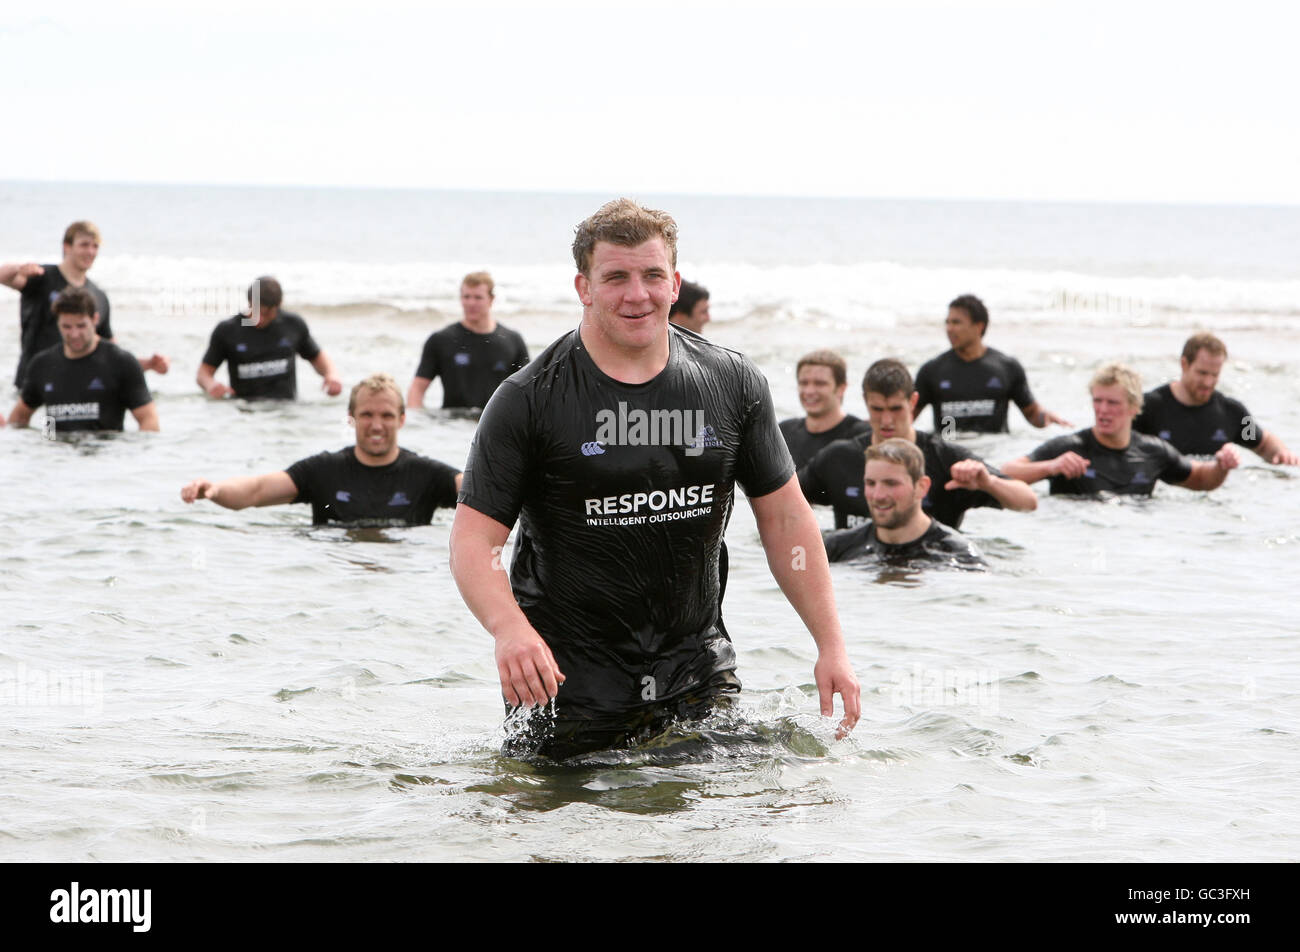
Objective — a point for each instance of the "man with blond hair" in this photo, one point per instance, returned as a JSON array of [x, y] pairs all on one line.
[[471, 356], [40, 285], [900, 531], [822, 377], [1110, 457], [372, 483], [1196, 418], [618, 451]]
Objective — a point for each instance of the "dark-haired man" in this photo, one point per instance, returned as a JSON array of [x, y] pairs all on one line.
[[822, 377], [958, 479], [1109, 457], [40, 285], [85, 383], [618, 450], [691, 309], [261, 351], [894, 483], [372, 483], [471, 356], [1196, 418], [971, 386]]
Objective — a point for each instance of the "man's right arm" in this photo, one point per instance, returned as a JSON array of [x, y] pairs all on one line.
[[269, 489], [15, 275], [21, 414], [209, 383], [528, 672], [1069, 464]]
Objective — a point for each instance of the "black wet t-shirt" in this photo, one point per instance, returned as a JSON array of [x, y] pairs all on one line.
[[1197, 430], [622, 493], [471, 365], [835, 478], [89, 393], [804, 445], [40, 329], [1132, 471], [342, 489], [262, 364], [939, 545], [974, 394]]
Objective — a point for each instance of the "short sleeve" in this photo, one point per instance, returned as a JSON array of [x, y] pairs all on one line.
[[924, 386], [132, 390], [215, 355], [812, 478], [1055, 447], [104, 328], [1245, 429], [1019, 388], [31, 392], [428, 368], [303, 472], [308, 349], [1177, 467], [499, 469], [764, 464], [442, 485]]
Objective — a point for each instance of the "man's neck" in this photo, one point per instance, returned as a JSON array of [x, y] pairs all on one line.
[[93, 348], [972, 351], [899, 434], [827, 421], [625, 366], [1119, 441], [910, 531], [366, 459], [71, 273], [1183, 396], [485, 326]]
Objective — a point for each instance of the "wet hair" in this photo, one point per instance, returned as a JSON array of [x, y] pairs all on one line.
[[1203, 341], [270, 293], [903, 452], [825, 358], [1119, 375], [74, 301], [476, 279], [688, 296], [81, 228], [374, 384], [887, 377], [623, 222], [975, 308]]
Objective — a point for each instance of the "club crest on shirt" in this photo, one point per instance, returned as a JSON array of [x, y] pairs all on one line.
[[399, 499], [852, 491], [462, 359], [1140, 479], [284, 342], [343, 496], [994, 383], [1090, 473], [96, 384], [241, 347], [945, 384], [1165, 434], [1219, 436], [499, 365]]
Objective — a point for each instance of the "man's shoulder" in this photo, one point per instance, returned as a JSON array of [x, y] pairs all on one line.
[[792, 426], [1231, 405], [50, 278], [840, 450], [50, 356], [1150, 444], [293, 320], [938, 360], [326, 457]]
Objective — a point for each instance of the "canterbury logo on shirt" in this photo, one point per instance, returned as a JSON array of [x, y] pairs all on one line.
[[263, 368], [96, 384], [399, 499]]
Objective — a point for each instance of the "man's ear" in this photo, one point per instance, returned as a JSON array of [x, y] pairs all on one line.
[[582, 284]]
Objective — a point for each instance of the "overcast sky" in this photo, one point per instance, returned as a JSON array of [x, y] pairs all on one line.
[[1011, 100]]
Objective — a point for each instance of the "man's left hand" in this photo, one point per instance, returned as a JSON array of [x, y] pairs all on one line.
[[968, 474], [332, 385]]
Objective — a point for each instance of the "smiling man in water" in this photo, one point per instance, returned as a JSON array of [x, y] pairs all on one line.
[[615, 612], [373, 483]]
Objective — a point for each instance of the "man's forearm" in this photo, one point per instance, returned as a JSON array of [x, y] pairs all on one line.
[[21, 414], [478, 567], [1271, 447], [797, 558], [1014, 494], [1028, 471]]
